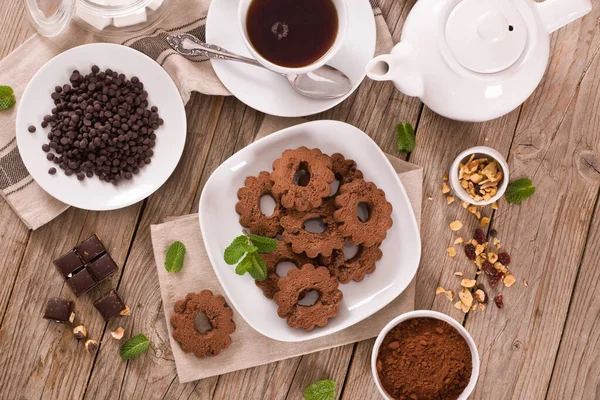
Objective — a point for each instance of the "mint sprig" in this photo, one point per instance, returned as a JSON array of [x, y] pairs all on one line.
[[174, 257], [519, 190], [244, 251], [406, 137], [320, 390], [7, 97], [134, 347]]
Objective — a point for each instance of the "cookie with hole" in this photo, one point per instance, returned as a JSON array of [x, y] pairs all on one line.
[[202, 324], [344, 170], [283, 253], [302, 177], [312, 242], [368, 230], [295, 285], [249, 208], [354, 268]]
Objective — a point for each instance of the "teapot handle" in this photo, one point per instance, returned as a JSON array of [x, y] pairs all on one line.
[[558, 13], [399, 67]]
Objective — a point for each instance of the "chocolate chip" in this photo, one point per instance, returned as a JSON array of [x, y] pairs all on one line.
[[52, 171], [31, 129]]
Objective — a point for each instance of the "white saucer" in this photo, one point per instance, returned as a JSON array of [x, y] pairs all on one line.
[[93, 194], [267, 92], [220, 224]]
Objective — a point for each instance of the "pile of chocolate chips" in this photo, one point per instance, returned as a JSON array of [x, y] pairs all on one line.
[[101, 125]]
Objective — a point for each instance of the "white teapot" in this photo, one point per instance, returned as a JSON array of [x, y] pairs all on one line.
[[475, 60]]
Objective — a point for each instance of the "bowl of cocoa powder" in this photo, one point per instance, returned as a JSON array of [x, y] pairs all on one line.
[[425, 355]]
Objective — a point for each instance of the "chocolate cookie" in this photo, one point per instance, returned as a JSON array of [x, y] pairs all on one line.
[[356, 267], [295, 285], [206, 312], [313, 244], [374, 229], [282, 253], [302, 178], [344, 170], [249, 210]]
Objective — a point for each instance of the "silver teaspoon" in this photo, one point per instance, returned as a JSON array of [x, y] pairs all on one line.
[[323, 83]]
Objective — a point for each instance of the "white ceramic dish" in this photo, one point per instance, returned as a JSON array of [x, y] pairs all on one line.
[[219, 222], [427, 314], [479, 151], [267, 92], [92, 194], [342, 11]]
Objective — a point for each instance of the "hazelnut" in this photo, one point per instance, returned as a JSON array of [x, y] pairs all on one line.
[[91, 346], [118, 333], [80, 332]]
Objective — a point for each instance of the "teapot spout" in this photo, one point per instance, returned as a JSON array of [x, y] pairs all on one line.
[[558, 13], [398, 67]]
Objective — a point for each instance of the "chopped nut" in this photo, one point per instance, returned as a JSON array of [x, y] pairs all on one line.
[[456, 225], [495, 205], [126, 311], [509, 279], [458, 305], [464, 204], [484, 221], [525, 282], [468, 283], [459, 240], [449, 199], [492, 257], [118, 333], [466, 297], [429, 198], [445, 177], [440, 290], [479, 249], [91, 346], [458, 273], [480, 296], [478, 214], [450, 294], [474, 306], [451, 251], [80, 332], [445, 188], [472, 209], [464, 308], [482, 306]]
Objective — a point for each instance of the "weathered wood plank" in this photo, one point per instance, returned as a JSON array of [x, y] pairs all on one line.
[[577, 368], [151, 375], [545, 235]]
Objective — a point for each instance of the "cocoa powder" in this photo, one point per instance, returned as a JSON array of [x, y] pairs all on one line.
[[424, 358]]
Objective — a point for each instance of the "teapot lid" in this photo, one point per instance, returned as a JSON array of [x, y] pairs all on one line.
[[486, 36]]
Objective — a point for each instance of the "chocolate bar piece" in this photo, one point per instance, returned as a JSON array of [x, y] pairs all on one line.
[[68, 264], [90, 248], [60, 310], [103, 267], [111, 306], [81, 282]]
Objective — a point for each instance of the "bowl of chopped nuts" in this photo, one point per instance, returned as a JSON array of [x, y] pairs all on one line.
[[479, 175]]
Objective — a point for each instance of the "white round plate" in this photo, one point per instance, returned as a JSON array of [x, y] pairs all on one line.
[[93, 194], [220, 224], [267, 92]]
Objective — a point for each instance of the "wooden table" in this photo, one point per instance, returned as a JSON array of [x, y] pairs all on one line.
[[544, 344]]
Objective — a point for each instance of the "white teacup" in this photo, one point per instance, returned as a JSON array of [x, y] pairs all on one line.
[[342, 12]]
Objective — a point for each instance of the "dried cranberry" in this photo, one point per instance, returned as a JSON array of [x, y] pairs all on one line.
[[504, 259], [496, 278], [499, 300], [489, 269], [470, 251], [480, 236]]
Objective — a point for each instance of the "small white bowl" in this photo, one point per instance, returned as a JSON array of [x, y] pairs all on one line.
[[342, 11], [479, 151], [427, 314]]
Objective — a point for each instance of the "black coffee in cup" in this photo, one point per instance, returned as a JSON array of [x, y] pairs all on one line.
[[292, 33]]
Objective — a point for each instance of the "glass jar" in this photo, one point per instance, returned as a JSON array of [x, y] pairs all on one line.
[[104, 17]]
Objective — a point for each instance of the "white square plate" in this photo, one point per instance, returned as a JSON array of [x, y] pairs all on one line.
[[219, 223]]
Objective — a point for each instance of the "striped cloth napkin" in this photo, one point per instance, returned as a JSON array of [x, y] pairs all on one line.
[[34, 206]]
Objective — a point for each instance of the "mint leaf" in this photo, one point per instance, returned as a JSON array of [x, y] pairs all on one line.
[[244, 266], [7, 97], [174, 257], [134, 347], [263, 244], [236, 250], [519, 190], [258, 270], [320, 390], [406, 137]]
